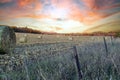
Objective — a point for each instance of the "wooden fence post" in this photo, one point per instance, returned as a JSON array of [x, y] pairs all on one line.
[[106, 48], [77, 62], [111, 40]]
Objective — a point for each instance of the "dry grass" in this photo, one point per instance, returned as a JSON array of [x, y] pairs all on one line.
[[53, 61]]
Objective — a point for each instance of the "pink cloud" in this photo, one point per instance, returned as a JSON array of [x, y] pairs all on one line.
[[97, 4], [23, 3]]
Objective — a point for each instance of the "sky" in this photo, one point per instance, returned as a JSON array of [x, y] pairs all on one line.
[[61, 16]]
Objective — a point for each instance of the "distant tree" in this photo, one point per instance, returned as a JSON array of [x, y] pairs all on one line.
[[117, 34]]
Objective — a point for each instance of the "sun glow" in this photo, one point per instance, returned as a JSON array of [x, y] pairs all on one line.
[[50, 25], [62, 26]]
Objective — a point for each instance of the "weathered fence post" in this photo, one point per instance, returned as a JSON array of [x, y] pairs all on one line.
[[7, 39], [77, 62], [106, 48], [111, 40]]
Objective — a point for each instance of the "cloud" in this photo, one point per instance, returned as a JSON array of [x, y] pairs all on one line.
[[38, 6], [86, 11], [23, 3], [71, 7], [5, 1], [19, 8], [98, 4]]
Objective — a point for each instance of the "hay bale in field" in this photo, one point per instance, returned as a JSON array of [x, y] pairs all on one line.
[[23, 40], [25, 35], [70, 38], [39, 37], [7, 39]]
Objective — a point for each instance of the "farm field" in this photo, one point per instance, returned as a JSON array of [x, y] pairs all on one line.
[[52, 57], [44, 38]]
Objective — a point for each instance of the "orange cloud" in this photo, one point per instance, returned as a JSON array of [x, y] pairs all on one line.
[[94, 6], [35, 16], [77, 13], [23, 3], [74, 11], [34, 4], [92, 17], [90, 3], [38, 6]]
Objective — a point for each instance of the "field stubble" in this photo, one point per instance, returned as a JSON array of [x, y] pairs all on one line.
[[46, 59]]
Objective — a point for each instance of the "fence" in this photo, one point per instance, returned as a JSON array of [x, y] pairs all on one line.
[[60, 62]]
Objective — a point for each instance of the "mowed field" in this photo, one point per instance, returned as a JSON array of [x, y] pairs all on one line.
[[53, 57], [44, 38]]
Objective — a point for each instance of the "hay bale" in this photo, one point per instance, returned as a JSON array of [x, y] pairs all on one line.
[[23, 40], [7, 39], [70, 38], [39, 37], [25, 35]]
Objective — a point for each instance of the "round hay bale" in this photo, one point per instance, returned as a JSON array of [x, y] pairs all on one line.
[[23, 40], [25, 35], [7, 39], [39, 37], [70, 38]]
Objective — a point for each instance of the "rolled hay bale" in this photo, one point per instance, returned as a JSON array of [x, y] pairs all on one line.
[[39, 37], [7, 39], [70, 38], [25, 35], [23, 40]]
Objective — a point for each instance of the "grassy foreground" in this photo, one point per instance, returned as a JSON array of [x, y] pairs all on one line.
[[57, 62]]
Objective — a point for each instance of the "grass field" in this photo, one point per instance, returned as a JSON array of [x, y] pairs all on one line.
[[52, 57]]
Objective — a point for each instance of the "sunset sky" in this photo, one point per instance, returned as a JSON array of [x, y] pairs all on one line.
[[62, 16]]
